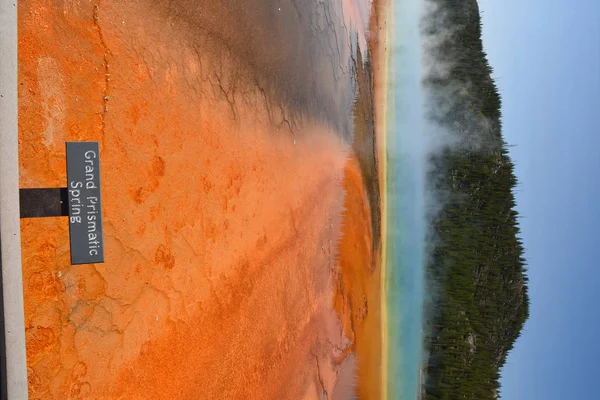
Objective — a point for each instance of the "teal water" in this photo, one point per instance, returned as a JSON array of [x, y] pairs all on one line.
[[406, 224]]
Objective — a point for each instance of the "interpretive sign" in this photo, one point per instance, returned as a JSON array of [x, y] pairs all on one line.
[[85, 203]]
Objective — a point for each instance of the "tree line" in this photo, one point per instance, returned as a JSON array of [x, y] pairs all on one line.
[[476, 270]]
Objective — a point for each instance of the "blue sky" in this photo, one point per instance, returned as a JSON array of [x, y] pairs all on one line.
[[546, 60]]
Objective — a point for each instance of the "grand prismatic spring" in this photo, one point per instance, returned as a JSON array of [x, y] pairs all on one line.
[[263, 198]]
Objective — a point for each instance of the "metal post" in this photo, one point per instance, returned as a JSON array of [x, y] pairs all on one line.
[[15, 380]]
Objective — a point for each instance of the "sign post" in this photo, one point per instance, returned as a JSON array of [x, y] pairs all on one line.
[[80, 201]]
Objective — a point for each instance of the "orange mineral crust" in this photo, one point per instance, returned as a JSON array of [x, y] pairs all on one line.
[[357, 284], [236, 224]]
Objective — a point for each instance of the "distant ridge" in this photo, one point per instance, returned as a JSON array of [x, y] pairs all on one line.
[[476, 271]]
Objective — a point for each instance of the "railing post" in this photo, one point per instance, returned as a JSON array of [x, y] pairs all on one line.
[[14, 368]]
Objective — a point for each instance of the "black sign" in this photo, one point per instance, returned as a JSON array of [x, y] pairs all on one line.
[[85, 204]]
